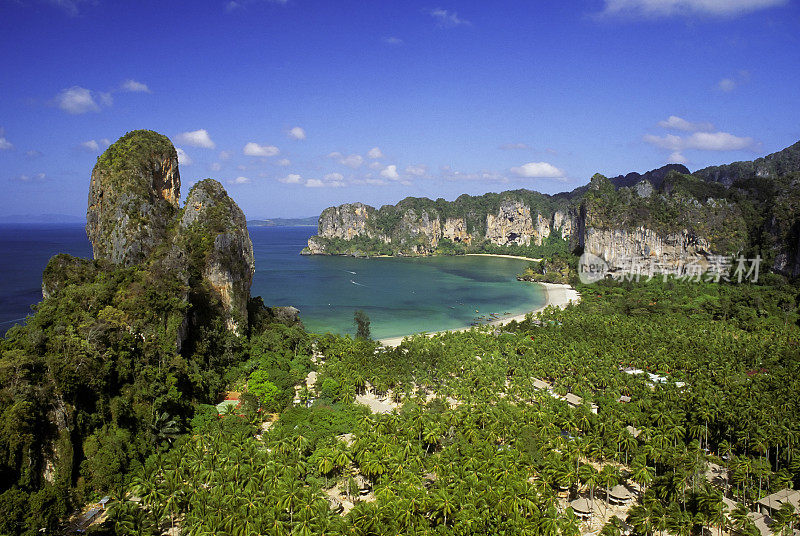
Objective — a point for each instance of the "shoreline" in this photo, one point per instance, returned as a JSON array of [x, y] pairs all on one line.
[[502, 256], [555, 294]]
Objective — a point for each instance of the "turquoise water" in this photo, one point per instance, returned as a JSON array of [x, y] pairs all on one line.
[[401, 296]]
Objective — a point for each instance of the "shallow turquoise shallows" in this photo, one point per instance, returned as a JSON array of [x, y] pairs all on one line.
[[400, 296]]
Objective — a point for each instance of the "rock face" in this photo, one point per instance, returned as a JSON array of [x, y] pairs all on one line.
[[666, 215], [346, 221], [215, 231], [512, 225], [133, 196], [617, 246], [134, 218], [418, 231], [455, 229]]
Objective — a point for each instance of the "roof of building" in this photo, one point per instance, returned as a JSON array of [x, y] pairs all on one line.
[[582, 506], [620, 492], [760, 521], [633, 431], [775, 500], [573, 399], [540, 384]]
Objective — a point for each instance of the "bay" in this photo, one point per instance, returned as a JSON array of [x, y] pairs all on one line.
[[400, 295]]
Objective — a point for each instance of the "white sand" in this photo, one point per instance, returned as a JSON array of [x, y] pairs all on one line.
[[556, 295], [502, 256], [376, 406]]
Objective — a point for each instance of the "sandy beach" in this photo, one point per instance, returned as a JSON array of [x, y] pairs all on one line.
[[557, 295], [501, 256]]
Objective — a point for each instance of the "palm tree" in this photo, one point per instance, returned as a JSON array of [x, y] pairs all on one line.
[[640, 517], [609, 476]]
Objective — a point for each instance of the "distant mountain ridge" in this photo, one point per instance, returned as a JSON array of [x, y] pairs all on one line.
[[311, 221], [667, 215]]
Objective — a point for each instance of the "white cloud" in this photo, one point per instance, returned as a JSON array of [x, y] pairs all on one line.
[[90, 145], [666, 8], [538, 170], [215, 166], [291, 178], [448, 19], [5, 145], [390, 172], [314, 183], [134, 86], [33, 153], [333, 177], [417, 170], [183, 158], [513, 146], [375, 182], [391, 40], [678, 123], [254, 149], [240, 180], [224, 155], [105, 99], [703, 141], [727, 85], [375, 153], [37, 177], [105, 141], [297, 133], [196, 138], [283, 162], [354, 160], [375, 165], [241, 167], [77, 100], [677, 158]]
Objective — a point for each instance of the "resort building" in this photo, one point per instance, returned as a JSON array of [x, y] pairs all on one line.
[[620, 495], [772, 503], [582, 507]]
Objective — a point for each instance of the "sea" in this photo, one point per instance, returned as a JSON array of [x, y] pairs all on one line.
[[401, 296]]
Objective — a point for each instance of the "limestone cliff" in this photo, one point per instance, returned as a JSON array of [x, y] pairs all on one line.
[[133, 196], [422, 227], [665, 215], [213, 229], [134, 219]]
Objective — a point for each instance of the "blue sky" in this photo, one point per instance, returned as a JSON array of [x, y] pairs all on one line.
[[297, 105]]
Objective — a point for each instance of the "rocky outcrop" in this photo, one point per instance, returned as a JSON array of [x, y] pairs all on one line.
[[455, 229], [511, 225], [134, 219], [213, 228], [666, 215], [346, 221], [619, 247], [419, 232], [133, 196]]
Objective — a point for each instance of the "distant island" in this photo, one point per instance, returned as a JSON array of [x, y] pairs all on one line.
[[311, 221]]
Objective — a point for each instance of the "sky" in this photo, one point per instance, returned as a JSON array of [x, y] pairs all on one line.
[[297, 105]]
